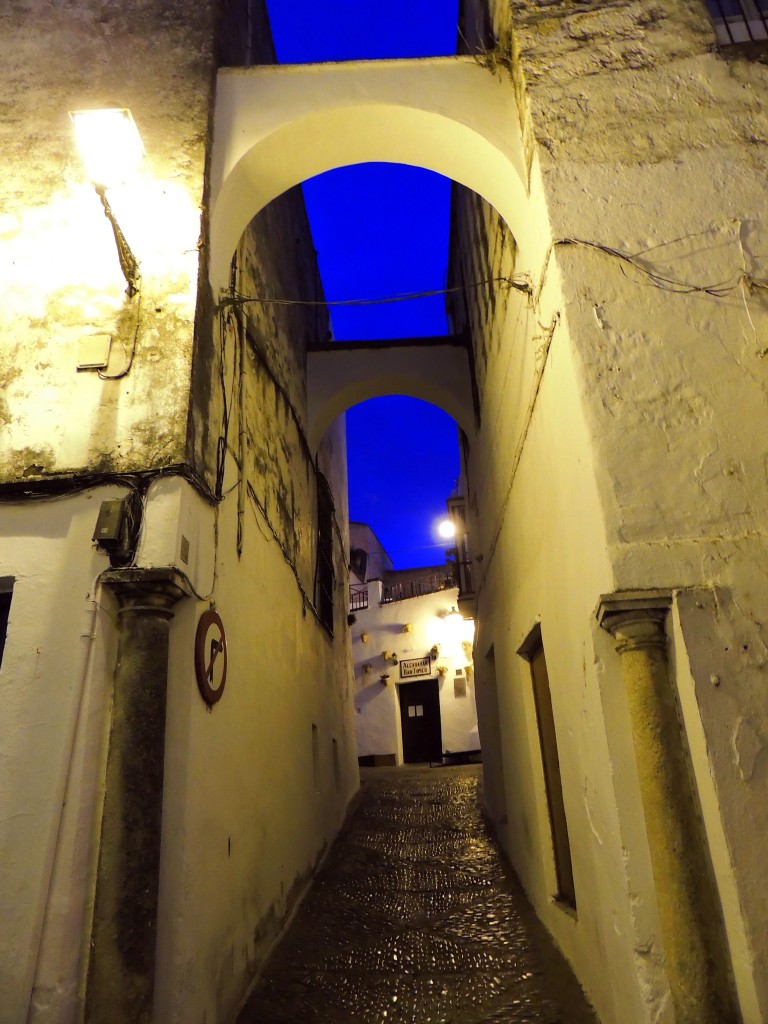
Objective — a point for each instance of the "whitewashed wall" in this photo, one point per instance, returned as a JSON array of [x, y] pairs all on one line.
[[55, 677], [636, 461], [233, 863], [234, 860]]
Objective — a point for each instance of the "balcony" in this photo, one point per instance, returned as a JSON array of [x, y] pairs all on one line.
[[400, 585]]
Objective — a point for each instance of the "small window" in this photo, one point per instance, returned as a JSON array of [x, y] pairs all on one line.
[[739, 21], [324, 575], [6, 593], [315, 759], [336, 765]]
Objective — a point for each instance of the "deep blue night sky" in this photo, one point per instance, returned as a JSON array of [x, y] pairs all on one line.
[[382, 230]]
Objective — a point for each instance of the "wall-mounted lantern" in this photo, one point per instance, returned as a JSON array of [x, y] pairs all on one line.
[[111, 149]]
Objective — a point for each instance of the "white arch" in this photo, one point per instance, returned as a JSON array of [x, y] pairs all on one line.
[[339, 377], [277, 126]]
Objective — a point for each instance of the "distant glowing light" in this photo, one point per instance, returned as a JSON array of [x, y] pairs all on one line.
[[109, 144], [446, 529]]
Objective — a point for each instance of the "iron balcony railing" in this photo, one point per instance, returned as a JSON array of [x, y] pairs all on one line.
[[739, 21], [417, 586], [358, 597]]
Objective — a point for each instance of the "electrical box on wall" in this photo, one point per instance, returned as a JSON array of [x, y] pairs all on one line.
[[117, 527], [93, 352], [110, 521]]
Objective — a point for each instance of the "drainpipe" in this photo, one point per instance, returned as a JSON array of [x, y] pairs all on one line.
[[120, 984], [695, 948]]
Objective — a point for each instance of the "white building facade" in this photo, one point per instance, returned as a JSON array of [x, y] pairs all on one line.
[[414, 679]]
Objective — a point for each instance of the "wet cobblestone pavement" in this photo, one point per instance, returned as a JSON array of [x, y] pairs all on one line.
[[414, 920]]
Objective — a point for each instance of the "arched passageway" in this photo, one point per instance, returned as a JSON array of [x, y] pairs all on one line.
[[278, 126], [341, 374]]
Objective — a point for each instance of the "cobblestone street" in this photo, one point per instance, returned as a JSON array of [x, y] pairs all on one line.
[[414, 920]]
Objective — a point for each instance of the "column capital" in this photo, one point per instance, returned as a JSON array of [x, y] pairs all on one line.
[[152, 590], [635, 618]]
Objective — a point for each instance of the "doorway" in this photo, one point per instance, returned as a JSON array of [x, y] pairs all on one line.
[[420, 717]]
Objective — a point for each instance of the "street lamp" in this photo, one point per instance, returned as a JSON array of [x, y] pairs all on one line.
[[446, 529], [111, 149]]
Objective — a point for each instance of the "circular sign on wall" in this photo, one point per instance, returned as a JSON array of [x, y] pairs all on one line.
[[210, 656]]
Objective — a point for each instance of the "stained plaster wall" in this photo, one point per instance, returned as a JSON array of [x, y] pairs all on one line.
[[230, 774], [61, 277], [376, 702], [642, 464]]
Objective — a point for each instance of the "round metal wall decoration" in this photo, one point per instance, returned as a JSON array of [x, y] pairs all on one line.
[[210, 657]]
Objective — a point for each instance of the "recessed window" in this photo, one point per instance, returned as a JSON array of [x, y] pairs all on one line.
[[533, 651]]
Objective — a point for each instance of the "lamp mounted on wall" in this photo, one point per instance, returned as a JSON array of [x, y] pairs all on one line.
[[111, 148]]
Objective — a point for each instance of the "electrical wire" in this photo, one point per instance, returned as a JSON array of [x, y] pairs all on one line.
[[666, 282], [126, 369], [671, 284], [236, 298], [59, 488]]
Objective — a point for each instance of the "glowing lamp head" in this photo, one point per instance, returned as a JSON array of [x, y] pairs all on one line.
[[446, 529], [109, 144]]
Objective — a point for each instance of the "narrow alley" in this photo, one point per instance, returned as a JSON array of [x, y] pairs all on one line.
[[414, 918]]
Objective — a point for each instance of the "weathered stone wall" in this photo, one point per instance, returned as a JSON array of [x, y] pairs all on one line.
[[275, 261], [243, 38], [639, 359], [485, 256]]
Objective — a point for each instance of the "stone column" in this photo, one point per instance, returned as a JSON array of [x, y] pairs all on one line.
[[122, 957], [695, 947]]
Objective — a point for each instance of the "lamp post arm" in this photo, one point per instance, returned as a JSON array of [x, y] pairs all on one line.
[[128, 262]]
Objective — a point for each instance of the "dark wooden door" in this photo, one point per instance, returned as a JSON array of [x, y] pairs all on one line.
[[420, 715]]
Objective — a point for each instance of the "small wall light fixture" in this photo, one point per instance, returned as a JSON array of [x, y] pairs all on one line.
[[111, 148]]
